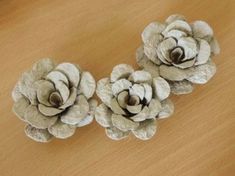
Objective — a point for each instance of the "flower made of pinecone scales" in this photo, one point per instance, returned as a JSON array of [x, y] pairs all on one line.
[[54, 100], [179, 52], [132, 101]]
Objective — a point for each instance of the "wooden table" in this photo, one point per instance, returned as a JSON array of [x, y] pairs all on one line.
[[198, 140]]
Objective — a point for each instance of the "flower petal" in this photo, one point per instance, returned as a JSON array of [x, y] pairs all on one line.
[[49, 111], [137, 90], [43, 67], [61, 130], [86, 121], [89, 118], [202, 73], [104, 91], [120, 85], [63, 90], [145, 63], [115, 107], [190, 47], [204, 52], [161, 88], [178, 25], [56, 76], [215, 49], [167, 109], [121, 71], [37, 119], [202, 30], [146, 129], [181, 87], [123, 123], [154, 108], [72, 97], [141, 76], [175, 17], [103, 115], [27, 86], [87, 85], [175, 34], [172, 73], [153, 29], [77, 112], [71, 71], [164, 48], [20, 106], [151, 54], [143, 115], [44, 89], [148, 92], [186, 64], [122, 99], [16, 94], [116, 134], [134, 109], [39, 135]]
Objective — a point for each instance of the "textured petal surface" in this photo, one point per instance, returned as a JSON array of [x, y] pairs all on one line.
[[141, 76], [37, 119], [172, 73], [146, 129], [103, 115], [167, 109], [77, 112], [87, 85], [39, 135], [161, 88], [123, 123], [121, 71], [181, 87], [104, 91], [202, 73], [71, 71], [202, 30], [61, 130], [120, 86], [20, 106], [204, 52], [116, 134]]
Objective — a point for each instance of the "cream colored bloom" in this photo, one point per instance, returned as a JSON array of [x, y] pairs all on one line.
[[179, 52], [54, 100], [132, 101]]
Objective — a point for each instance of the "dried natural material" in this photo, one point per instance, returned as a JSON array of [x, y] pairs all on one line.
[[179, 52], [54, 100], [132, 101]]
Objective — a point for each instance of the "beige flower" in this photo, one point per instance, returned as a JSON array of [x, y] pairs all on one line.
[[54, 100], [132, 101], [179, 52]]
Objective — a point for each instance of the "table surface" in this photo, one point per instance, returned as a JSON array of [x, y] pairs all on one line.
[[198, 140]]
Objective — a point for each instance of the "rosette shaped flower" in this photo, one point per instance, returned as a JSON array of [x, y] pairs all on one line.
[[132, 101], [179, 52], [54, 100]]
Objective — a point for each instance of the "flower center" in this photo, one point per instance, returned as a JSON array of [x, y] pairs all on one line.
[[176, 55], [133, 100], [55, 99]]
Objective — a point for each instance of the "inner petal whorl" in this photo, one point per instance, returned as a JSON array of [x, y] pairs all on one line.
[[177, 55], [55, 99]]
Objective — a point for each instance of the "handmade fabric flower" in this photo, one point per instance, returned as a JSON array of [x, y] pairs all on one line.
[[54, 100], [132, 101], [179, 52]]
